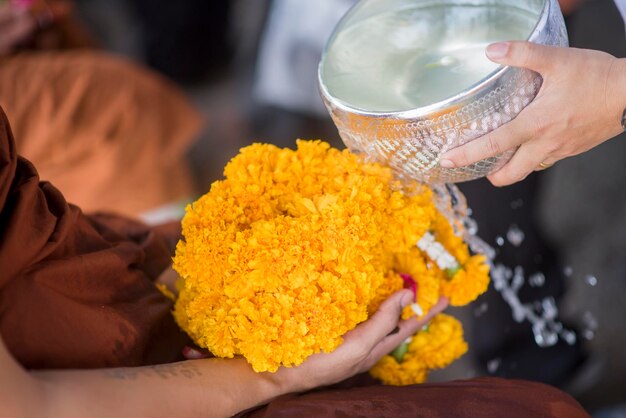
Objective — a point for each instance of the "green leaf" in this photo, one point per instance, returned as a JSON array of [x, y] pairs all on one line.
[[453, 271], [400, 351]]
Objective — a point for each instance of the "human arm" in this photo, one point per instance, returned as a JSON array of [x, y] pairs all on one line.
[[198, 388], [580, 105]]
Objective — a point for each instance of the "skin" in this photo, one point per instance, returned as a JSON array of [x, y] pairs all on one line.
[[198, 388], [579, 106]]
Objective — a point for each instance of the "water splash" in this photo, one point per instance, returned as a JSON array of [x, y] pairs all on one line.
[[591, 280], [542, 314]]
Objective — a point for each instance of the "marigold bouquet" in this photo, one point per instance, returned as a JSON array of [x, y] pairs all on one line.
[[295, 248]]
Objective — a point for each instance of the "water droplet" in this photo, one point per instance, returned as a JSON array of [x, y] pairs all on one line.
[[540, 314], [569, 337], [568, 271], [591, 280], [447, 60], [549, 308], [515, 235], [481, 309], [588, 334], [517, 203], [519, 313], [590, 325], [590, 321], [518, 279], [493, 365], [537, 280], [544, 337]]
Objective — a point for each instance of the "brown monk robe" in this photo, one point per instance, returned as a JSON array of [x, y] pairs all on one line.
[[476, 398], [77, 291], [110, 134]]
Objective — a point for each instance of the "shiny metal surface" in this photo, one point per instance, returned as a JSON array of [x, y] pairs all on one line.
[[411, 139]]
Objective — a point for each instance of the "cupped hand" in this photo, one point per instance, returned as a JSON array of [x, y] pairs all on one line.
[[17, 24], [362, 347], [581, 104]]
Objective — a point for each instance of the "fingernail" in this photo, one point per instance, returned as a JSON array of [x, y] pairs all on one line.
[[407, 299], [498, 50], [446, 163], [417, 309]]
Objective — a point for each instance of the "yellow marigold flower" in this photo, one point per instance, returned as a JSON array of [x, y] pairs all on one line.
[[469, 282], [295, 248], [433, 348], [444, 233], [390, 372], [439, 344]]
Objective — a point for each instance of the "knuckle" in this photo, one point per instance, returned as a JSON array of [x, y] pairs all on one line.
[[539, 127], [497, 181], [525, 53], [503, 182], [506, 177], [493, 146], [552, 147], [516, 176], [389, 309], [463, 156], [526, 56]]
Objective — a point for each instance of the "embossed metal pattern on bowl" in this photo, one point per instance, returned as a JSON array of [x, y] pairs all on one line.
[[412, 141]]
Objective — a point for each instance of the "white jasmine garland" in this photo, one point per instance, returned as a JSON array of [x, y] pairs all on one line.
[[436, 252]]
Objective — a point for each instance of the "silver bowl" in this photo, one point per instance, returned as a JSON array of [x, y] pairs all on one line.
[[406, 80]]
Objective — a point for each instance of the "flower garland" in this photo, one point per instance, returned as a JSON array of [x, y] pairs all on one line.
[[295, 248], [434, 347]]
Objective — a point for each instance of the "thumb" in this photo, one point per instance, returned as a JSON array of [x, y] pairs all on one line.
[[386, 317], [529, 55]]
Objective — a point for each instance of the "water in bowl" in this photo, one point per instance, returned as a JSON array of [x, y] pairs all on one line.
[[410, 58]]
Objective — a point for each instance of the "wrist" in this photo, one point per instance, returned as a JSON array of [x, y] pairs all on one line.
[[255, 388], [282, 381], [616, 92]]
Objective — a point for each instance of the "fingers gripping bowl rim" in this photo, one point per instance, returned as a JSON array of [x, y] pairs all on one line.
[[412, 140]]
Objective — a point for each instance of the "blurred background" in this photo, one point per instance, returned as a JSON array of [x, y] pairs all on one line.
[[135, 106]]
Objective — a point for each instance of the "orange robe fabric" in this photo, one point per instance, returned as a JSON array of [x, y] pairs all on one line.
[[110, 134]]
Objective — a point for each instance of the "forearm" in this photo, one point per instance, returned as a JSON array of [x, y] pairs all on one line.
[[199, 388]]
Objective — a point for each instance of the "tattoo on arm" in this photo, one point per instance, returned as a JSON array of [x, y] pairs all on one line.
[[185, 369]]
